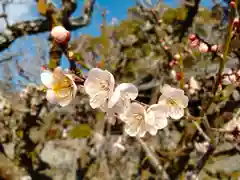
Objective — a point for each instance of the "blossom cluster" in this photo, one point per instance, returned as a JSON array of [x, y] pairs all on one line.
[[118, 100]]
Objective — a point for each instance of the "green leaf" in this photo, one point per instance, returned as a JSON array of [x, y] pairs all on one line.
[[80, 131]]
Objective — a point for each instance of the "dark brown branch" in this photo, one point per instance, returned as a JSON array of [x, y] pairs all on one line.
[[192, 12]]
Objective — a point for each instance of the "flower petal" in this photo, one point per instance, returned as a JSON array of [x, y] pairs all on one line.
[[75, 88], [98, 100], [152, 130], [47, 79], [116, 97], [134, 108], [166, 89], [169, 91], [128, 89], [95, 77], [142, 131], [51, 96], [183, 101], [131, 129], [176, 112], [157, 116]]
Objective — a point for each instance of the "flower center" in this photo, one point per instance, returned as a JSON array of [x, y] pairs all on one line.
[[139, 117], [171, 102], [63, 88], [104, 85]]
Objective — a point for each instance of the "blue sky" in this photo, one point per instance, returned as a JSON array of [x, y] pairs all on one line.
[[29, 45]]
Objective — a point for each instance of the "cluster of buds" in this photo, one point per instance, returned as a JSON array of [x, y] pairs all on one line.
[[60, 35], [196, 42]]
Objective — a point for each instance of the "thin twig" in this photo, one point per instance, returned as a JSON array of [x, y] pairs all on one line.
[[153, 158], [201, 131]]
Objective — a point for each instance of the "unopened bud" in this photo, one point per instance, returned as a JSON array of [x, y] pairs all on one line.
[[60, 35], [43, 67], [192, 37], [177, 56], [236, 22], [203, 48], [232, 4], [178, 76], [214, 48], [194, 43]]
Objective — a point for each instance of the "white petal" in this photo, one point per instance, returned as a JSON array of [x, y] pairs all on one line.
[[152, 130], [95, 77], [134, 108], [128, 89], [183, 101], [116, 97], [166, 89], [98, 100], [47, 79], [142, 131], [157, 116], [65, 96], [51, 96], [75, 88], [97, 73], [121, 97], [176, 112], [131, 130], [91, 87], [194, 83]]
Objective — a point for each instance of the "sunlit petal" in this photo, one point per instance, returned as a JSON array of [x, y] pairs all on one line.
[[134, 108], [47, 79], [51, 96]]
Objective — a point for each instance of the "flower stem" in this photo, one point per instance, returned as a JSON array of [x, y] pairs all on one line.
[[222, 63], [181, 71]]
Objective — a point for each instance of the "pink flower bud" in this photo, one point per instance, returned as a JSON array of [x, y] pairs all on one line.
[[166, 47], [203, 48], [177, 56], [236, 22], [214, 48], [194, 43], [44, 68], [60, 35], [171, 63], [192, 37], [178, 76], [232, 4]]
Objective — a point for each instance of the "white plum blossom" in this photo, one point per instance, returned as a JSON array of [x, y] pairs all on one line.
[[174, 100], [99, 85], [61, 88], [121, 97], [139, 121]]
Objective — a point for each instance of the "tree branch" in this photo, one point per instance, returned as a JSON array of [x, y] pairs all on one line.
[[17, 30]]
